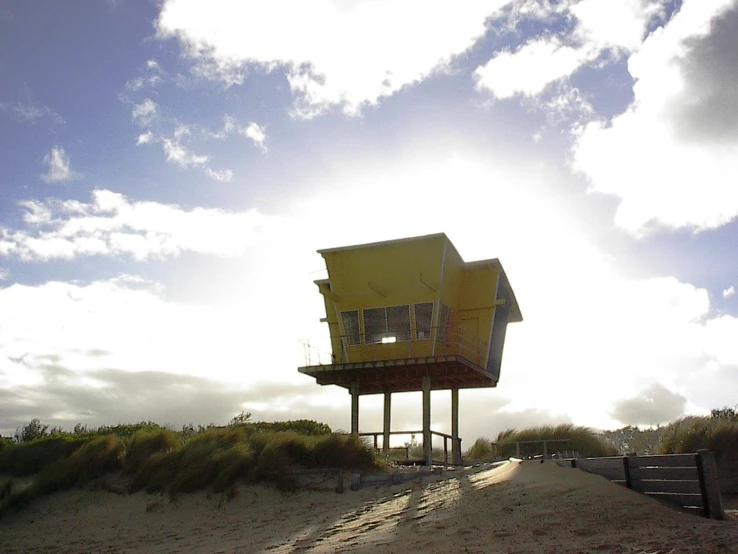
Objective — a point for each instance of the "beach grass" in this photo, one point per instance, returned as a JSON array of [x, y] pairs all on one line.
[[718, 435], [160, 460], [529, 441]]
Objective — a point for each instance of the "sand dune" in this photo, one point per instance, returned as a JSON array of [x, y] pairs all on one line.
[[517, 507]]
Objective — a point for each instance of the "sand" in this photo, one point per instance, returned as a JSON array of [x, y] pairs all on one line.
[[516, 507]]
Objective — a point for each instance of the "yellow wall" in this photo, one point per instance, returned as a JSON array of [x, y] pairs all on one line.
[[406, 272]]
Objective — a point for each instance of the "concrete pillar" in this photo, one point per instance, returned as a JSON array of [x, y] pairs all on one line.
[[355, 407], [387, 421], [455, 450], [427, 444]]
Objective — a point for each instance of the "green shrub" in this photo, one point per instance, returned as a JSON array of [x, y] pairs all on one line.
[[32, 431], [341, 451], [579, 439], [156, 472], [123, 430], [203, 457], [283, 452], [482, 449], [98, 457], [144, 443], [306, 427], [27, 458], [718, 435], [234, 463]]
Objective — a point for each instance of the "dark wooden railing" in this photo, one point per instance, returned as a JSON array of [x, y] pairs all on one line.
[[689, 480], [446, 440]]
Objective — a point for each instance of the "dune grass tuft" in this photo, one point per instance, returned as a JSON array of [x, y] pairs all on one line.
[[98, 457], [144, 443], [28, 458], [482, 450], [579, 439], [718, 435]]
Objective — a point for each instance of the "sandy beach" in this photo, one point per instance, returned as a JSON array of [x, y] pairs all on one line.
[[516, 507]]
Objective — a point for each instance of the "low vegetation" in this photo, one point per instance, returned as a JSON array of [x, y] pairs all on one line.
[[529, 442], [148, 457], [715, 433]]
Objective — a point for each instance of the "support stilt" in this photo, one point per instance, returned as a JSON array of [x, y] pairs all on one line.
[[427, 445], [387, 417], [355, 408], [455, 450]]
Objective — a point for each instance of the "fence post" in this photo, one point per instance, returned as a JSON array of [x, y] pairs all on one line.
[[339, 482], [709, 486], [632, 473]]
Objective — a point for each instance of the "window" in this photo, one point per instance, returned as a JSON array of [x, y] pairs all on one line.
[[387, 325], [351, 327], [423, 320], [398, 322], [375, 325]]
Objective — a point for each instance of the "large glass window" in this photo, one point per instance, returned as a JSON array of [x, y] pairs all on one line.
[[398, 322], [375, 325], [423, 320], [351, 327], [391, 324]]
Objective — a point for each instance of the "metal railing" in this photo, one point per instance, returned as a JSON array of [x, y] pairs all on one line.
[[453, 340], [446, 440]]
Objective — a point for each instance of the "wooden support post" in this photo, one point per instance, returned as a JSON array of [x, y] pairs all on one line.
[[709, 485], [633, 474], [355, 408], [387, 421], [545, 449], [455, 443], [427, 445], [626, 470]]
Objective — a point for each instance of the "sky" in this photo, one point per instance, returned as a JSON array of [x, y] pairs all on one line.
[[168, 169]]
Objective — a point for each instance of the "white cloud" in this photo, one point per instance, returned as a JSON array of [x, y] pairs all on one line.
[[177, 150], [670, 168], [59, 168], [127, 321], [335, 54], [30, 113], [253, 131], [654, 405], [4, 274], [540, 61], [531, 68], [151, 78], [730, 291], [145, 138], [144, 113], [178, 154], [225, 175], [112, 225]]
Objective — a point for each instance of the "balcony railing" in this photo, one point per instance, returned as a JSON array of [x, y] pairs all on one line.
[[452, 340]]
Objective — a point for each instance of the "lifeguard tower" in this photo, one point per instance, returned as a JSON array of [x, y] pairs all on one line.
[[411, 315]]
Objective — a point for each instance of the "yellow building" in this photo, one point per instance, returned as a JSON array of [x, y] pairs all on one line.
[[411, 315]]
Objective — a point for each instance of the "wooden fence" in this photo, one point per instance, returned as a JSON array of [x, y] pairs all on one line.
[[689, 480]]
